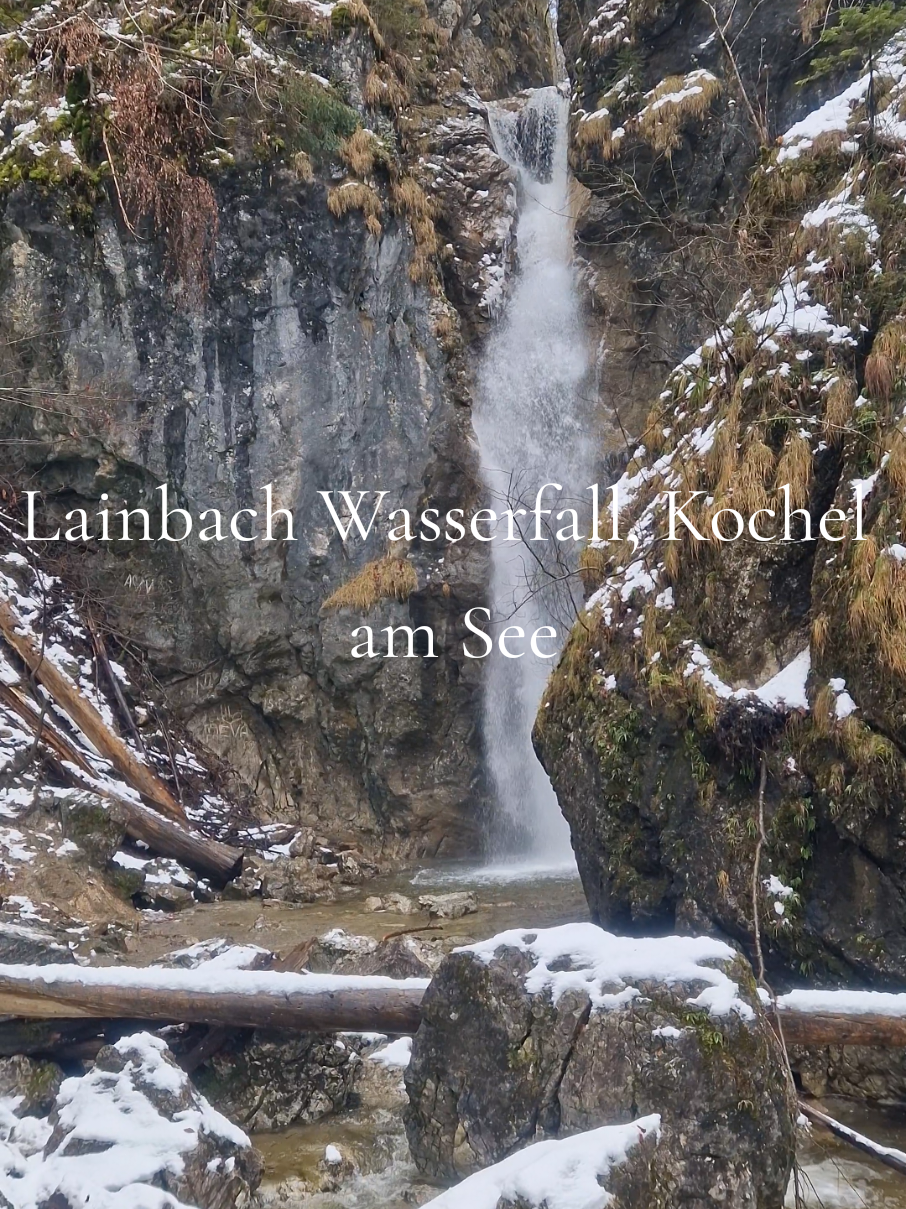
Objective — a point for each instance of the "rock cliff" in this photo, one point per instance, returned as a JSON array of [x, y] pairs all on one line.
[[725, 729], [247, 250]]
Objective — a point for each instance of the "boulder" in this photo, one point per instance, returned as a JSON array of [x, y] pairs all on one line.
[[296, 880], [21, 944], [270, 1078], [612, 1166], [134, 1126], [449, 906], [168, 886], [550, 1033]]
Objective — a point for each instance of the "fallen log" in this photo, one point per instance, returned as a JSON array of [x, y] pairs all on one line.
[[890, 1157], [843, 1018], [239, 998], [83, 714], [208, 857], [327, 1003]]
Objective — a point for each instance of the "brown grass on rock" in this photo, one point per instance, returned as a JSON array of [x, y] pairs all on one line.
[[388, 578]]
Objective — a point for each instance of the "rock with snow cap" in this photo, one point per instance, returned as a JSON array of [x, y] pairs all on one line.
[[130, 1132], [546, 1034]]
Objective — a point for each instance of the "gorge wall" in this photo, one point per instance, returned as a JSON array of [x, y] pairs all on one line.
[[363, 233]]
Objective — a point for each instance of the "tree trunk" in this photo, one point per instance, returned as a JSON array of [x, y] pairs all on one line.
[[84, 715]]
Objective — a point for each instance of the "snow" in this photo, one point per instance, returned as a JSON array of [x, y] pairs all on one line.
[[332, 1155], [845, 1003], [116, 1141], [210, 978], [844, 705], [606, 967], [563, 1173], [397, 1053], [785, 690]]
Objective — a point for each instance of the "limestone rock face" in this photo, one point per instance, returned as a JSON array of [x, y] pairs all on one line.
[[549, 1034]]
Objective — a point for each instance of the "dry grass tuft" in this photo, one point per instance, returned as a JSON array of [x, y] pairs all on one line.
[[148, 141], [593, 564], [838, 408], [302, 166], [384, 89], [749, 483], [387, 578], [355, 195], [359, 151], [595, 131], [885, 365], [820, 631], [674, 101], [896, 462], [795, 469]]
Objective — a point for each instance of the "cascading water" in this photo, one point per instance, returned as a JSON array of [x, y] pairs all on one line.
[[532, 428]]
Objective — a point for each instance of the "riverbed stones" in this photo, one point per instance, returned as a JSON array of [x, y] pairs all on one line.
[[449, 906], [551, 1033]]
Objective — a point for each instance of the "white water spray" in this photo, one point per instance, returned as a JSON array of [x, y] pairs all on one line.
[[532, 426]]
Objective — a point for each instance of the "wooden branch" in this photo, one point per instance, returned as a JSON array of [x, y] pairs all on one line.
[[84, 715], [208, 857], [883, 1154], [385, 1010]]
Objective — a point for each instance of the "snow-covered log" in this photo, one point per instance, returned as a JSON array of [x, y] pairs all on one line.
[[239, 998]]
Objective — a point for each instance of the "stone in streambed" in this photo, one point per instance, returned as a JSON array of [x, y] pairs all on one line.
[[556, 1032], [449, 906]]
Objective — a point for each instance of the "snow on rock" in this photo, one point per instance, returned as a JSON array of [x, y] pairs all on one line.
[[132, 1133], [397, 1053], [583, 957], [555, 1032], [567, 1173]]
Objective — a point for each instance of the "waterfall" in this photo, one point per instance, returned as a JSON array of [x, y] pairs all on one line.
[[533, 428]]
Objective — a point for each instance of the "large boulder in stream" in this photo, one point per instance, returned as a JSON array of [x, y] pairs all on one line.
[[544, 1034]]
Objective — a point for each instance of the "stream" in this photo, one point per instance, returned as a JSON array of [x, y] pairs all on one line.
[[834, 1175]]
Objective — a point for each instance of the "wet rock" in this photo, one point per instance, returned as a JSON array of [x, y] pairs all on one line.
[[335, 1169], [138, 1109], [294, 880], [271, 1078], [21, 944], [449, 906], [859, 1072], [552, 1033], [33, 1081], [335, 947], [87, 822], [168, 886], [399, 903], [250, 881], [397, 957]]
